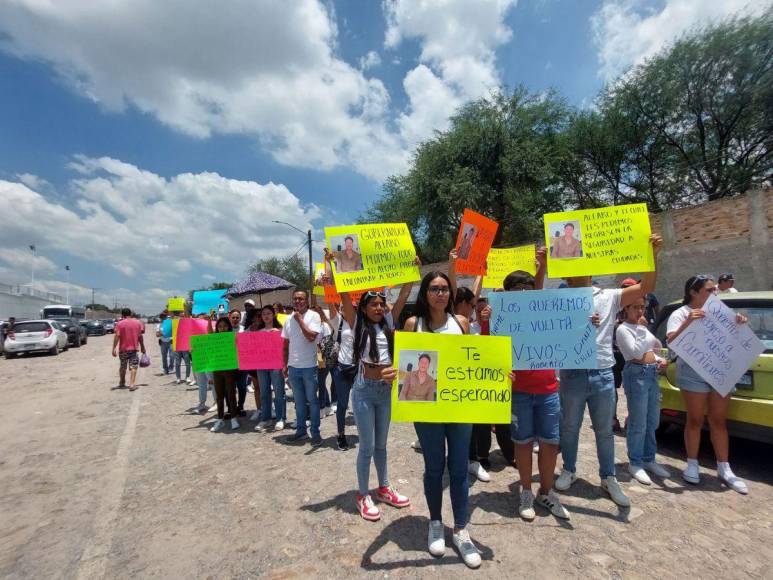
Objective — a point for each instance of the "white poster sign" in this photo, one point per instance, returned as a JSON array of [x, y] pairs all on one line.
[[718, 348]]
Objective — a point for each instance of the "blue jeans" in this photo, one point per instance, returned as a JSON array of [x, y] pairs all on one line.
[[642, 392], [304, 384], [268, 380], [166, 356], [343, 387], [596, 387], [433, 437], [372, 406], [202, 380], [179, 357]]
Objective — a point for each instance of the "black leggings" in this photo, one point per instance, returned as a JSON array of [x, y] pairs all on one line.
[[480, 441]]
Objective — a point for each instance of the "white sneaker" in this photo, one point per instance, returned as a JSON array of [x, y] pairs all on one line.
[[526, 507], [191, 382], [416, 445], [476, 469], [732, 481], [262, 426], [334, 408], [178, 381], [218, 426], [279, 426], [638, 473], [565, 480], [436, 538], [255, 416], [657, 470], [234, 424], [466, 548], [612, 487], [331, 411], [692, 474], [552, 504], [250, 388], [308, 422]]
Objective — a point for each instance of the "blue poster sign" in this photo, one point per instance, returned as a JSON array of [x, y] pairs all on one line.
[[206, 300]]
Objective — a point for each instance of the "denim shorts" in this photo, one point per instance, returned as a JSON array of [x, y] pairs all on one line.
[[536, 416], [688, 380]]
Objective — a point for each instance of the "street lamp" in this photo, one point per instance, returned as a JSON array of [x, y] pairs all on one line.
[[67, 287], [311, 260], [34, 256]]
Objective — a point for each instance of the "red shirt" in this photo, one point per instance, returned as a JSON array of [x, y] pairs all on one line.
[[538, 382], [129, 331]]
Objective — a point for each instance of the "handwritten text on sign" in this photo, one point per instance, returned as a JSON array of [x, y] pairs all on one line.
[[387, 255], [472, 379], [550, 329], [613, 240], [502, 262], [717, 348], [260, 350], [214, 352]]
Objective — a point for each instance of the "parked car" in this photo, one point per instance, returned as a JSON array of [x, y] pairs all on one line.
[[750, 415], [95, 327], [35, 336], [76, 333], [109, 325]]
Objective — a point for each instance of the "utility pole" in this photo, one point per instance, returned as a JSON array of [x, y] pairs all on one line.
[[67, 300], [311, 269], [34, 255]]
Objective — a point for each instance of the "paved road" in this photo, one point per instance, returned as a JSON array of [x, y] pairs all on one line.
[[97, 482]]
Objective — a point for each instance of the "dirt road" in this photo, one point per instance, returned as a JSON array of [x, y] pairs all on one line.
[[97, 482]]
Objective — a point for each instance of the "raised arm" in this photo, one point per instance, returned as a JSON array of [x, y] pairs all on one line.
[[402, 298], [452, 255], [542, 267], [648, 279]]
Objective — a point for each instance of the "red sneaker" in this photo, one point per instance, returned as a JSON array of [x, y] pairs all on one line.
[[367, 508], [392, 497]]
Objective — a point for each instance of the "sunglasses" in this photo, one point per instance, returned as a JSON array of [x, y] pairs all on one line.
[[375, 294], [439, 290]]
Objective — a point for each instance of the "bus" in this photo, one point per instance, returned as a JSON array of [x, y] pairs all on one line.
[[63, 311]]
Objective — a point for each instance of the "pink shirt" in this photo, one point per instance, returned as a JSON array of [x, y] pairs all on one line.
[[128, 331]]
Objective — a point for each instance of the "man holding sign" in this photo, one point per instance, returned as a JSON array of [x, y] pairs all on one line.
[[596, 387]]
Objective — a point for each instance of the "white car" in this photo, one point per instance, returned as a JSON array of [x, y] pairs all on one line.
[[35, 336]]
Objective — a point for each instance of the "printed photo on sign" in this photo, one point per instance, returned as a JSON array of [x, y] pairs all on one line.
[[417, 376], [566, 239], [346, 253], [468, 239]]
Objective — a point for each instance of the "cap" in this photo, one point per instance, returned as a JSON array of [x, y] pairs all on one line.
[[628, 282], [726, 277], [251, 302]]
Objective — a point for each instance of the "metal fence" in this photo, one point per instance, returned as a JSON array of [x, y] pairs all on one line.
[[24, 290]]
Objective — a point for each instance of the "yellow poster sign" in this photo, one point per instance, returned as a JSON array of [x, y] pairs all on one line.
[[371, 256], [446, 378], [501, 262], [175, 324], [319, 271], [607, 240], [282, 318], [175, 304]]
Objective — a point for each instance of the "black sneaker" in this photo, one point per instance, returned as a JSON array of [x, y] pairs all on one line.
[[316, 441], [342, 444], [297, 437]]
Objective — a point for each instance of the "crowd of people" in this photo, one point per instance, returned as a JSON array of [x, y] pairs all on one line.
[[354, 345]]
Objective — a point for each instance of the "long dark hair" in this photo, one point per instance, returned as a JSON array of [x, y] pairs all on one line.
[[261, 324], [695, 283], [365, 326], [227, 321], [422, 304]]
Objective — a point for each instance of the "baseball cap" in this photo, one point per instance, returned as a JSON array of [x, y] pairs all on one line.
[[726, 277], [251, 302]]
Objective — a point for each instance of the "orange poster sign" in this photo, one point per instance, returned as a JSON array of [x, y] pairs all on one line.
[[476, 235]]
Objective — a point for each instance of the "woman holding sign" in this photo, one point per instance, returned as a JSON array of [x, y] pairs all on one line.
[[225, 383], [435, 313], [269, 379], [698, 393]]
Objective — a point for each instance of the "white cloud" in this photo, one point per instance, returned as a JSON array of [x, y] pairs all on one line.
[[34, 182], [370, 60], [255, 67], [23, 260], [148, 227], [458, 40], [209, 277], [626, 32]]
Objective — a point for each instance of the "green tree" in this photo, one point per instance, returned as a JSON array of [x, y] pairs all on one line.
[[291, 268]]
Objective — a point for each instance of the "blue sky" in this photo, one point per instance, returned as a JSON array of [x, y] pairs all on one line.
[[151, 148]]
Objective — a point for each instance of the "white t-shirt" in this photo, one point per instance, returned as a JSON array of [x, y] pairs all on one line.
[[302, 353], [677, 317], [607, 304], [731, 290], [634, 341]]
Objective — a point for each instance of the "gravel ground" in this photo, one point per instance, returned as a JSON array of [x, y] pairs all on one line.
[[98, 482]]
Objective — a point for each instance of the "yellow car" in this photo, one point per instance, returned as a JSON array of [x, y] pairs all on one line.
[[751, 407]]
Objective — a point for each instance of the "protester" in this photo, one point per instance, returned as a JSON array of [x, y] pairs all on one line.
[[596, 387], [434, 313], [165, 345], [126, 342], [325, 361], [179, 357], [698, 394], [642, 392], [8, 327], [727, 284], [301, 331], [225, 381], [343, 376], [270, 379], [617, 370], [235, 318], [279, 308]]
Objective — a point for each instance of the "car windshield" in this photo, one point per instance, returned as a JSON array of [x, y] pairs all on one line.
[[34, 326], [761, 322]]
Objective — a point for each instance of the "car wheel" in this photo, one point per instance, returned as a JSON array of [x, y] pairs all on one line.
[[86, 339], [77, 343], [10, 355], [54, 349]]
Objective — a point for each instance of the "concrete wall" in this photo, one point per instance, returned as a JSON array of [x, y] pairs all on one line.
[[20, 306]]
